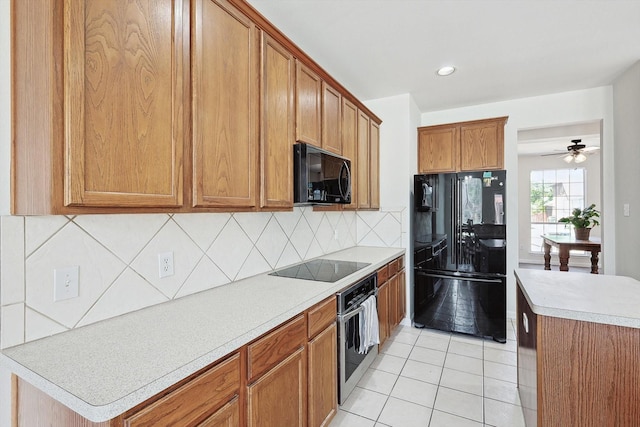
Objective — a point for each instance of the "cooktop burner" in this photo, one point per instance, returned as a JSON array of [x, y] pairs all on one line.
[[322, 270]]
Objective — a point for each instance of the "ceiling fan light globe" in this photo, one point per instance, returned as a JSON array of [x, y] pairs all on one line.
[[568, 158], [580, 158]]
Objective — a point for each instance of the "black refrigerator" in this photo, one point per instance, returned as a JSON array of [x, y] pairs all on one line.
[[459, 244]]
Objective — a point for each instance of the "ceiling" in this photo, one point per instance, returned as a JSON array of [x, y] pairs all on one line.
[[556, 139], [502, 49]]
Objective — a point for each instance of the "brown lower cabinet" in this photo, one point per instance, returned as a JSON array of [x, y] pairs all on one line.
[[287, 377], [278, 398], [391, 297], [574, 373]]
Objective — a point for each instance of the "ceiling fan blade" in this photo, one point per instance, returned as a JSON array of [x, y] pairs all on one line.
[[590, 149]]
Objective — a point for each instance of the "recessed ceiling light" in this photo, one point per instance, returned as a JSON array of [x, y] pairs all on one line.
[[447, 70]]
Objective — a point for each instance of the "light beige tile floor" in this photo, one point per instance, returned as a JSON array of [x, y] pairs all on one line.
[[429, 378]]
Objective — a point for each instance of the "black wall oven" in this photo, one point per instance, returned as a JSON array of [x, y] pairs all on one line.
[[351, 363]]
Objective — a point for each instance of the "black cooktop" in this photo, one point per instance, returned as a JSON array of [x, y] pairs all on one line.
[[322, 270]]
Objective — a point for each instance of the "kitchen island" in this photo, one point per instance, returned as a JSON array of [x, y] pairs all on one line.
[[103, 370], [578, 349]]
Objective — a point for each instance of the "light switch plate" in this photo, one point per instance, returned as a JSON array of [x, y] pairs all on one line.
[[66, 283]]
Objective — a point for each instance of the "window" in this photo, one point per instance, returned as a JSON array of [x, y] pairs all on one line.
[[554, 193]]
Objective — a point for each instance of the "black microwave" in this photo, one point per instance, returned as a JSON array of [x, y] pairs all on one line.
[[320, 177]]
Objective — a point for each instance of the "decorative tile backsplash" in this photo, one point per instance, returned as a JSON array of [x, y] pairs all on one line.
[[118, 258]]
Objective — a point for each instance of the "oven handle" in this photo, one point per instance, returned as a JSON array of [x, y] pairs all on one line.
[[349, 315]]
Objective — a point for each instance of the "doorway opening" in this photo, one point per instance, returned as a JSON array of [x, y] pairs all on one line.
[[551, 183]]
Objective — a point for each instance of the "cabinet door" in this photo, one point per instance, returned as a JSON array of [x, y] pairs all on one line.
[[482, 146], [308, 106], [363, 165], [438, 149], [323, 377], [277, 127], [374, 157], [402, 296], [393, 303], [227, 416], [225, 67], [383, 312], [350, 145], [331, 119], [124, 66], [278, 398]]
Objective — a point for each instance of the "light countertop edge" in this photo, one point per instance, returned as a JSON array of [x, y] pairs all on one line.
[[596, 298], [25, 360]]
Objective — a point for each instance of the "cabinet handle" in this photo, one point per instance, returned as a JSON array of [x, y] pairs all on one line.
[[525, 323]]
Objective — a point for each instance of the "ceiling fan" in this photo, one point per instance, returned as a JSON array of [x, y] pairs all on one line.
[[576, 151]]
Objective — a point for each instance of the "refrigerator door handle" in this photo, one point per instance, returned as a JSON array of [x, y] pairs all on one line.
[[458, 223], [469, 279]]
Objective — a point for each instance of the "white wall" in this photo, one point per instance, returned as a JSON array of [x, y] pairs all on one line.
[[537, 112], [528, 163], [398, 139], [626, 101]]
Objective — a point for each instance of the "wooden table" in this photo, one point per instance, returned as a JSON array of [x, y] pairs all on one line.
[[565, 243]]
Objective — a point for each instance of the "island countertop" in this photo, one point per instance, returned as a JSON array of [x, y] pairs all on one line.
[[611, 300], [104, 369]]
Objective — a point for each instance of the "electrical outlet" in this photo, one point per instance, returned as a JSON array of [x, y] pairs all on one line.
[[335, 234], [626, 209], [165, 264], [65, 283]]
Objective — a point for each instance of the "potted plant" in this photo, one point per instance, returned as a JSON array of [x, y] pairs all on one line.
[[582, 221]]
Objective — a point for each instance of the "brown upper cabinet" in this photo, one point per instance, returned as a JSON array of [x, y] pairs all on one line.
[[98, 104], [465, 146], [350, 145], [362, 168], [374, 165], [308, 106], [368, 163], [277, 134], [161, 106], [225, 68], [331, 119]]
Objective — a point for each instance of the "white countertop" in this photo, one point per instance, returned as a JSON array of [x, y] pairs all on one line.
[[611, 300], [104, 369]]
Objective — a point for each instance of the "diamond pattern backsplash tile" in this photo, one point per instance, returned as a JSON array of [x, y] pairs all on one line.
[[118, 258]]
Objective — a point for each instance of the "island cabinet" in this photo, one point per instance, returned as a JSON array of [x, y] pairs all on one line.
[[465, 146], [391, 297], [577, 373], [277, 377], [322, 363]]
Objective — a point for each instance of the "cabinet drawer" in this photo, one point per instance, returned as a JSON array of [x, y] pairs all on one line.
[[383, 275], [394, 267], [194, 400], [320, 316], [401, 262], [271, 349]]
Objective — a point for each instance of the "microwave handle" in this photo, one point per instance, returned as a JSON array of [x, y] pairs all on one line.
[[344, 167]]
